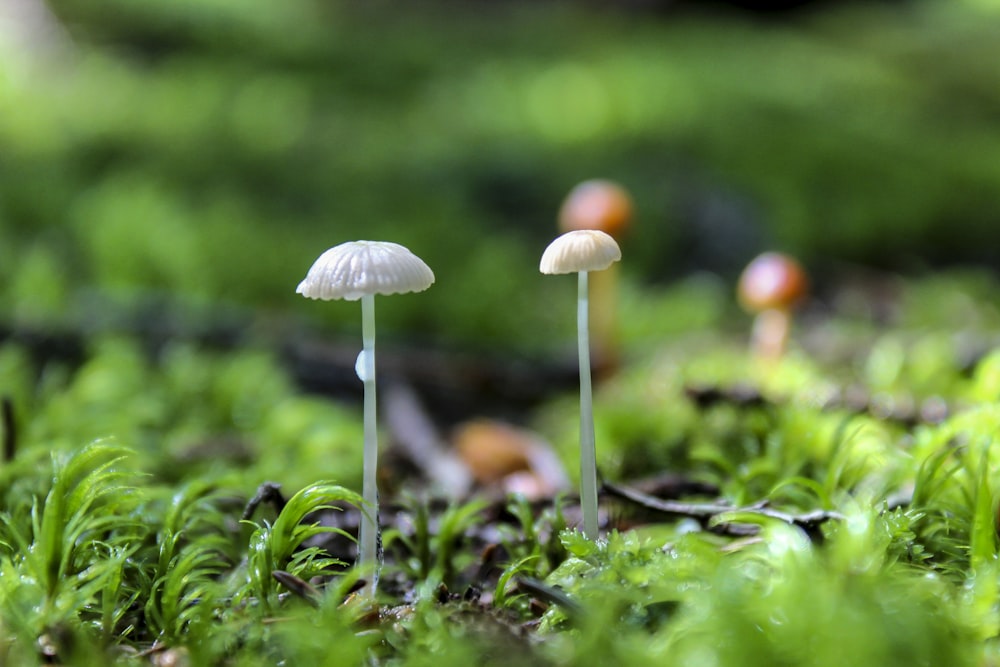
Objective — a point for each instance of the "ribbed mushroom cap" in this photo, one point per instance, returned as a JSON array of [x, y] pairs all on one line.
[[581, 250], [351, 270], [772, 280]]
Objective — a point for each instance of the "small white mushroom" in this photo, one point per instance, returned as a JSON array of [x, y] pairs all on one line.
[[579, 252], [360, 270], [351, 270]]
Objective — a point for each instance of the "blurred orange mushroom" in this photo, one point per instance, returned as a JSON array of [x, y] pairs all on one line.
[[597, 204], [770, 287], [607, 207]]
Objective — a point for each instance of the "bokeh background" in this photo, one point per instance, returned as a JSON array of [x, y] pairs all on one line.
[[168, 163]]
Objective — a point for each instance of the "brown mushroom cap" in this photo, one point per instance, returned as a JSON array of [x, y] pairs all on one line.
[[596, 204], [772, 281]]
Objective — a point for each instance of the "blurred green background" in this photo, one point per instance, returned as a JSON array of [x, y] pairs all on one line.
[[189, 159]]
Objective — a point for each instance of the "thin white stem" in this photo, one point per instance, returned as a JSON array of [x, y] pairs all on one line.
[[368, 533], [588, 451]]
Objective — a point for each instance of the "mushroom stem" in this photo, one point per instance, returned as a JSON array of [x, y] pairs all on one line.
[[603, 321], [588, 452], [368, 532], [770, 333]]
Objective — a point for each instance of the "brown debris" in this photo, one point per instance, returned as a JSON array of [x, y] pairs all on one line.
[[508, 458]]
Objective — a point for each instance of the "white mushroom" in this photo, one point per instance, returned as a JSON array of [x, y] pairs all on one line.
[[580, 252], [360, 270], [351, 270]]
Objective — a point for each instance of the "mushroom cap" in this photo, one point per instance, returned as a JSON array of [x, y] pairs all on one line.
[[596, 204], [356, 268], [772, 281], [580, 250]]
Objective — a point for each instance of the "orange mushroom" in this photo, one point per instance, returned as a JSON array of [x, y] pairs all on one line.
[[771, 286], [597, 204], [607, 207]]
